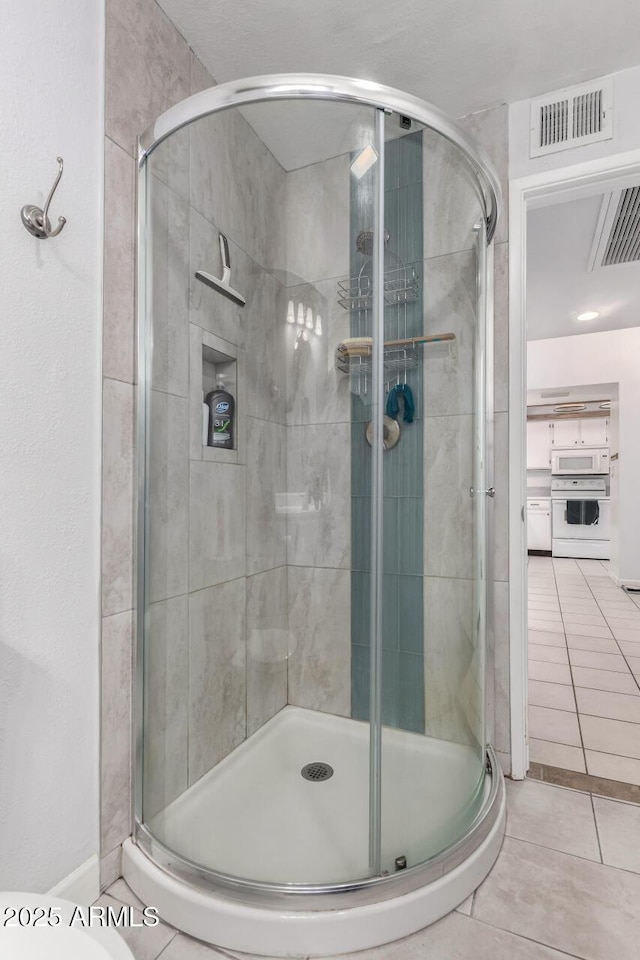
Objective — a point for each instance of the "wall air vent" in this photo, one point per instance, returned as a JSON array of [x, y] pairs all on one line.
[[617, 236], [572, 117]]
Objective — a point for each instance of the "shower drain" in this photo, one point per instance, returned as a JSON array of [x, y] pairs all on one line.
[[317, 771]]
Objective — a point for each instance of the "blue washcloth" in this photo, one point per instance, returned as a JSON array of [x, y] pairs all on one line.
[[393, 407]]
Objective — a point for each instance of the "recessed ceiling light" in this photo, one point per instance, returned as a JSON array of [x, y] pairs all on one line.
[[588, 315], [570, 408]]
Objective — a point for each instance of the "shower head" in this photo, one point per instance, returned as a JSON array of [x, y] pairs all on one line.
[[364, 241]]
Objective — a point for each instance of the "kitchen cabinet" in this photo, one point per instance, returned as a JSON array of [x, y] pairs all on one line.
[[539, 435], [590, 432], [594, 432], [538, 524]]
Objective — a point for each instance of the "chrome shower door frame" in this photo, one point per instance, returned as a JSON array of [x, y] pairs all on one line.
[[374, 888]]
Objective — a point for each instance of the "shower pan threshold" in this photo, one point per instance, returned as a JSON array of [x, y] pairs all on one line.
[[255, 815]]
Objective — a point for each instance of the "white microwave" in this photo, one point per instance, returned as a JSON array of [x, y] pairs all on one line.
[[581, 461]]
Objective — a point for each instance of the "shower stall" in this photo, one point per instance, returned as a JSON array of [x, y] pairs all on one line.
[[312, 739]]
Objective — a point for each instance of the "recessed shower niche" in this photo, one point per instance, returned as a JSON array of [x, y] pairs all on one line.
[[213, 358], [316, 599]]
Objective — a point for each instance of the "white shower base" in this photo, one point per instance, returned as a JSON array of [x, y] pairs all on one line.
[[254, 816]]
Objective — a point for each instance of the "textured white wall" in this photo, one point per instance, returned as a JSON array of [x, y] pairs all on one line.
[[609, 357], [50, 103]]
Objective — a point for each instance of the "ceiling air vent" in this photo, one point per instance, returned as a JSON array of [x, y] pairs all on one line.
[[572, 117], [617, 236]]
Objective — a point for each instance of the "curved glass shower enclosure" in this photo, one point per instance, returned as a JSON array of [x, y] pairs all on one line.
[[312, 560]]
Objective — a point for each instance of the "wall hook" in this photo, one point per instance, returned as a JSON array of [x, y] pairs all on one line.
[[36, 220]]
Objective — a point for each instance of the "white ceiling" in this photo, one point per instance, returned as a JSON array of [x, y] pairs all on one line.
[[559, 284], [462, 56]]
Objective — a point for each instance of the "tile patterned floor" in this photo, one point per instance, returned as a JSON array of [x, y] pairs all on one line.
[[566, 885], [584, 670]]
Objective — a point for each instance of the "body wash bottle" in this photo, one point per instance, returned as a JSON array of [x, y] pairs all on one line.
[[221, 416]]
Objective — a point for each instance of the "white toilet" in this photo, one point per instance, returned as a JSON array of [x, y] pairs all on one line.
[[21, 940]]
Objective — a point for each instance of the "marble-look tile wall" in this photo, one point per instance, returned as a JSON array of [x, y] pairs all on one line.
[[216, 663], [452, 669], [318, 440]]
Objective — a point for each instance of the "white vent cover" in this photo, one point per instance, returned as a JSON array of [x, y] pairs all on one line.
[[617, 236], [572, 117]]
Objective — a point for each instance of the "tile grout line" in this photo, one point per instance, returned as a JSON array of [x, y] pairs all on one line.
[[519, 936], [595, 820], [617, 642], [573, 685]]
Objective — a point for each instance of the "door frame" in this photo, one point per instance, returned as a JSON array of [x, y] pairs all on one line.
[[525, 193]]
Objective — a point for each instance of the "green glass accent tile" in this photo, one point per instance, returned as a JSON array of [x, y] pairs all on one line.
[[411, 692], [403, 464], [390, 611], [360, 462], [411, 614], [359, 682], [390, 535], [360, 607], [361, 533], [410, 535]]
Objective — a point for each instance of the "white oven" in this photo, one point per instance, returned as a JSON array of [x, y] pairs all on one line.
[[577, 531], [579, 461]]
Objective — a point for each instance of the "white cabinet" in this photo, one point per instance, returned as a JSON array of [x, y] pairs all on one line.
[[594, 432], [566, 433], [538, 444], [538, 524], [590, 432]]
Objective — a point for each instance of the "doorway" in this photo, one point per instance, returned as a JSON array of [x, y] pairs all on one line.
[[574, 618]]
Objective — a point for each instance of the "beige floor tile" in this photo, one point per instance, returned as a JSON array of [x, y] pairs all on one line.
[[613, 767], [621, 620], [602, 703], [570, 592], [455, 937], [600, 644], [553, 817], [634, 663], [551, 626], [146, 943], [547, 637], [605, 680], [186, 948], [122, 892], [551, 672], [587, 629], [556, 755], [628, 648], [590, 619], [623, 633], [585, 909], [551, 615], [576, 605], [546, 605], [599, 661], [611, 736], [465, 906], [559, 726], [629, 613], [540, 651], [617, 824], [558, 696]]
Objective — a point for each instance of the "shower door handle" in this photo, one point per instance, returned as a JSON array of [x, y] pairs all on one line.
[[491, 492]]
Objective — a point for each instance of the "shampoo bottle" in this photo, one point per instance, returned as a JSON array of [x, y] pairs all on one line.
[[221, 416]]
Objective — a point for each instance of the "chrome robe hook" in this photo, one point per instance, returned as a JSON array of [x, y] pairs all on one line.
[[36, 220]]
